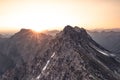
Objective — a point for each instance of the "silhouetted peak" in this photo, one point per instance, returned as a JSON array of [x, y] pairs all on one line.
[[25, 30], [23, 33]]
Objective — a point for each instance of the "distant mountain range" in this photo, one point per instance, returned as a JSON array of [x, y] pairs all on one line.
[[107, 30], [5, 35], [71, 54], [108, 39]]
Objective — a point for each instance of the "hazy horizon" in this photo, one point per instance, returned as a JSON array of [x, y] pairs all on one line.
[[55, 14], [97, 29]]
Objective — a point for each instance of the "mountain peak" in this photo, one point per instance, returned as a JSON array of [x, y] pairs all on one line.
[[69, 28], [75, 32], [25, 30], [23, 33]]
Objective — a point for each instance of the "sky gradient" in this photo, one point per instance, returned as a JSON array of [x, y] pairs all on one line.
[[55, 14]]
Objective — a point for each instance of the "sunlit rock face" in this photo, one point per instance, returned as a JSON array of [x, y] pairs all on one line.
[[70, 55]]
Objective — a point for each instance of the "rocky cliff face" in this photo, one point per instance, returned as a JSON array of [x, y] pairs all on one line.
[[70, 55], [21, 48]]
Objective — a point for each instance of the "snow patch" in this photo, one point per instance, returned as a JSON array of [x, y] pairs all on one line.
[[112, 55], [106, 53], [53, 55], [44, 68], [102, 52], [46, 65], [38, 77]]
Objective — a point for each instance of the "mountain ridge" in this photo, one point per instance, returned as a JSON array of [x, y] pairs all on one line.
[[70, 55]]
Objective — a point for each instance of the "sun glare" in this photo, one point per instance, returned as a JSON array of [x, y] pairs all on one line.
[[40, 16], [37, 29]]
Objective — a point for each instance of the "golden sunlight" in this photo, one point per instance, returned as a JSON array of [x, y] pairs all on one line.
[[36, 29], [40, 15]]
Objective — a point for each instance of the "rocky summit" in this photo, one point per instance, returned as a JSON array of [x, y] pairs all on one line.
[[69, 55]]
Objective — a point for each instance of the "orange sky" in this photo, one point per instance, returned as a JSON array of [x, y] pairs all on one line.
[[55, 14]]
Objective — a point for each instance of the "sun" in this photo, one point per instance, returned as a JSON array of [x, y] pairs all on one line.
[[37, 29]]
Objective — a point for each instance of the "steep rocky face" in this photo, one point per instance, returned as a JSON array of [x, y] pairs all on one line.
[[77, 57], [5, 61], [22, 48], [29, 42], [70, 55], [25, 44]]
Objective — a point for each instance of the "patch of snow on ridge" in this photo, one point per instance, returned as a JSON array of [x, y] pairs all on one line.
[[53, 55], [38, 77], [106, 53], [44, 68], [46, 65], [112, 55], [102, 52]]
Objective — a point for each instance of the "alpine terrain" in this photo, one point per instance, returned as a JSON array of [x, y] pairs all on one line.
[[108, 39], [69, 55]]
